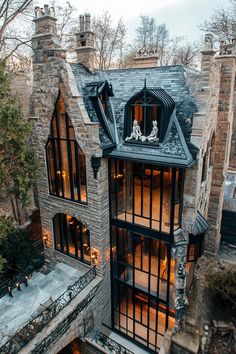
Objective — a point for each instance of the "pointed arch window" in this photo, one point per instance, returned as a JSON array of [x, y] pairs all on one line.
[[65, 159]]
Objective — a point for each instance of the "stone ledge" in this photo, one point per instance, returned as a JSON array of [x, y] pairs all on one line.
[[185, 343]]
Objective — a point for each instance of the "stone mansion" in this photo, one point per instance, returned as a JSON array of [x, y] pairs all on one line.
[[131, 166]]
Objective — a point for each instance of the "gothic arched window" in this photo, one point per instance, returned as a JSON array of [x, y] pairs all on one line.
[[65, 159], [71, 237]]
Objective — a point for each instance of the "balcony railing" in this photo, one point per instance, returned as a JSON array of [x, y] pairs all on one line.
[[43, 346], [29, 331], [110, 344]]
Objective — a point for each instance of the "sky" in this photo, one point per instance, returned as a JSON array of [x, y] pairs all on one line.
[[182, 17]]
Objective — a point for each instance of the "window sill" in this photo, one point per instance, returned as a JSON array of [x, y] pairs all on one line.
[[68, 200], [77, 260]]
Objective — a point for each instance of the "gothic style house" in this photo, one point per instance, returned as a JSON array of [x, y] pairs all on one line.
[[131, 171]]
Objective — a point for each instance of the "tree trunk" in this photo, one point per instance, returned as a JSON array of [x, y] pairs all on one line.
[[18, 211], [13, 209]]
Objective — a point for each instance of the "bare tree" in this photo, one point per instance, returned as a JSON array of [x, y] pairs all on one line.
[[66, 21], [222, 23], [109, 40], [12, 11], [151, 36]]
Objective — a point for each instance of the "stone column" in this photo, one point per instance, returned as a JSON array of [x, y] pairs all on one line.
[[181, 301]]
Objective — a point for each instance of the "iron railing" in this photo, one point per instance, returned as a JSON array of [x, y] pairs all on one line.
[[43, 346], [110, 344], [24, 335]]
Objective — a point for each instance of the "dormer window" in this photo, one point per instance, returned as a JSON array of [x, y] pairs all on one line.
[[147, 115], [145, 110]]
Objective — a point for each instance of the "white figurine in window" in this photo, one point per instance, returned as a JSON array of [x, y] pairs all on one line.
[[136, 133], [153, 135]]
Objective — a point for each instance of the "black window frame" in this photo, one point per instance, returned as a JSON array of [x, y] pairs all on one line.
[[61, 219], [55, 140], [175, 198]]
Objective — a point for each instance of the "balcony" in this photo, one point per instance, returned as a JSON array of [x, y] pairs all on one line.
[[56, 298]]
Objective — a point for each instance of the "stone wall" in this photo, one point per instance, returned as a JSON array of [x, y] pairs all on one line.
[[211, 133], [51, 74]]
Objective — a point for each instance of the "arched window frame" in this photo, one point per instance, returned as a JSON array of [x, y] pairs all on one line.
[[71, 237], [161, 99], [62, 150]]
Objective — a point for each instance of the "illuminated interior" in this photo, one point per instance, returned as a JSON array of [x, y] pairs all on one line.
[[65, 158], [147, 195], [71, 237], [145, 110], [146, 204], [143, 287]]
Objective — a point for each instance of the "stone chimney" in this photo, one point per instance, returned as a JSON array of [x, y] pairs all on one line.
[[85, 39], [145, 59], [45, 41]]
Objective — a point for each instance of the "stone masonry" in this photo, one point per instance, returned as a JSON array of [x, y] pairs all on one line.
[[51, 75], [211, 133]]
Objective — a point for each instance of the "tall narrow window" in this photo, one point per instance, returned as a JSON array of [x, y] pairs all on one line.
[[71, 237], [65, 158]]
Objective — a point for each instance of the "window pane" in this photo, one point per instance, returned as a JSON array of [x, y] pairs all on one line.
[[166, 200], [74, 177], [51, 168], [82, 174], [86, 244], [65, 173], [71, 233], [78, 232], [54, 127]]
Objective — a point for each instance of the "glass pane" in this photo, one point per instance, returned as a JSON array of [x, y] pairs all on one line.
[[137, 195], [146, 183], [78, 233], [74, 179], [82, 173], [65, 173], [152, 113], [156, 201], [166, 204], [113, 188], [57, 232], [54, 127], [71, 225], [176, 218], [141, 280], [86, 244], [58, 168], [51, 168]]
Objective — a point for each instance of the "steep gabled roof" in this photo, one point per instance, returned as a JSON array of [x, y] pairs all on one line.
[[169, 82]]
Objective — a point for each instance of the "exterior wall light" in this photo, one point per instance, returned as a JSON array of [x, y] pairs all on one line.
[[45, 239], [94, 258]]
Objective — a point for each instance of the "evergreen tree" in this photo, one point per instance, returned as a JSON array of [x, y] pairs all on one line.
[[17, 160]]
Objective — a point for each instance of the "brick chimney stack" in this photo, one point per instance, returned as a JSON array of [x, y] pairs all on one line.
[[45, 41], [85, 39]]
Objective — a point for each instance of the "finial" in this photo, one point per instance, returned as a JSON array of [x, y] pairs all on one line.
[[145, 83]]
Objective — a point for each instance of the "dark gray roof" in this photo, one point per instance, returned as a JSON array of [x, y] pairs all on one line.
[[127, 82]]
